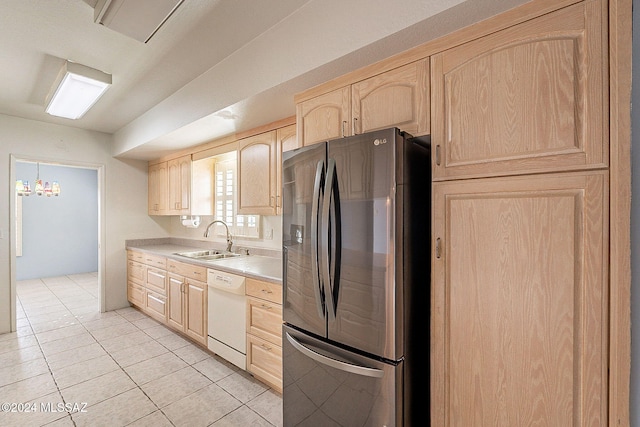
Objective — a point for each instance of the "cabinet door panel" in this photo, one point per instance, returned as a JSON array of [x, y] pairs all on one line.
[[196, 314], [519, 301], [158, 194], [398, 98], [257, 175], [175, 303], [526, 99], [325, 117]]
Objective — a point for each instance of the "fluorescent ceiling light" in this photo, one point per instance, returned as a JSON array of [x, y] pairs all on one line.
[[78, 89]]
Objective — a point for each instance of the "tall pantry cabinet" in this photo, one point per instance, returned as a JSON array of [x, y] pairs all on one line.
[[520, 226]]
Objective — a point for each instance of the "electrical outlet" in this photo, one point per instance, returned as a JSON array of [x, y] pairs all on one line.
[[268, 234]]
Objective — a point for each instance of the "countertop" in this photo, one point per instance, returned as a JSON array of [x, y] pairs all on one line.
[[263, 265]]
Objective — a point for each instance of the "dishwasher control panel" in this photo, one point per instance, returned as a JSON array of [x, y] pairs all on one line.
[[226, 281]]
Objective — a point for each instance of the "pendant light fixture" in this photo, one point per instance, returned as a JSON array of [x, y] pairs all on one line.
[[23, 188]]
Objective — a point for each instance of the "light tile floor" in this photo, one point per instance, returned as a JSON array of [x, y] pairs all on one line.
[[69, 365]]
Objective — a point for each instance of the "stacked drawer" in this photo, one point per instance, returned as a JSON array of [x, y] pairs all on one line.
[[264, 331], [147, 283]]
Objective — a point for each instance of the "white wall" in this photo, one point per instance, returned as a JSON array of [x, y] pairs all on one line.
[[272, 224], [124, 194]]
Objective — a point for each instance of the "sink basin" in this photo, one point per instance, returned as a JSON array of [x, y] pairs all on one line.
[[208, 255]]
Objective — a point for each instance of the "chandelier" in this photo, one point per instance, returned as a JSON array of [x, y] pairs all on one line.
[[23, 188]]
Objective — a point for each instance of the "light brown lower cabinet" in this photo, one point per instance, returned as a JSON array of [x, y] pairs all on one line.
[[187, 306], [520, 302], [264, 331]]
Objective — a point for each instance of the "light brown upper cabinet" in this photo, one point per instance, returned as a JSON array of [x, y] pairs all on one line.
[[396, 98], [257, 174], [287, 140], [520, 301], [325, 117], [158, 192], [179, 175], [526, 99], [181, 187]]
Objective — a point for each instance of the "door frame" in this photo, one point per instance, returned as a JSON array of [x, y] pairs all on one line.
[[99, 168]]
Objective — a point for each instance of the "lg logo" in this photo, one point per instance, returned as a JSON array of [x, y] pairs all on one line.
[[379, 141]]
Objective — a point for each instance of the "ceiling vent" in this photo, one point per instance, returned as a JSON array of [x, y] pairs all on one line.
[[138, 19]]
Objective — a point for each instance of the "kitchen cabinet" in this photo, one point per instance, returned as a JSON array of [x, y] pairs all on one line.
[[396, 98], [136, 272], [257, 174], [179, 179], [156, 293], [519, 300], [264, 331], [146, 283], [286, 138], [158, 197], [187, 295], [526, 99], [181, 187]]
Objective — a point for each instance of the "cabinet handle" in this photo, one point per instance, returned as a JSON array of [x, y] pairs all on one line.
[[266, 291], [344, 124], [438, 248], [266, 347], [438, 155], [355, 125], [266, 307], [272, 200]]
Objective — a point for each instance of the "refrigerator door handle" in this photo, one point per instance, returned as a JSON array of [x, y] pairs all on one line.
[[328, 261], [333, 363], [315, 213]]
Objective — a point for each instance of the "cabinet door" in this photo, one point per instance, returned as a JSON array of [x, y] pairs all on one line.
[[324, 117], [179, 181], [286, 138], [158, 197], [175, 301], [519, 301], [257, 171], [398, 98], [529, 98], [196, 311]]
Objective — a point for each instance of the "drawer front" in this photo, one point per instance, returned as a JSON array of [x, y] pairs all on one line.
[[135, 294], [136, 271], [265, 290], [156, 305], [157, 280], [155, 261], [135, 256], [264, 360], [191, 271], [264, 320]]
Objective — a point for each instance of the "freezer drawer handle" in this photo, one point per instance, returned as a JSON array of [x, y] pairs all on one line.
[[337, 364]]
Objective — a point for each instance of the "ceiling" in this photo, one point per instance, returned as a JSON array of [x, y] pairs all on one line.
[[215, 67]]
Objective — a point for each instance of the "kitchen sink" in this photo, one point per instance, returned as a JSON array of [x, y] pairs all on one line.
[[208, 255]]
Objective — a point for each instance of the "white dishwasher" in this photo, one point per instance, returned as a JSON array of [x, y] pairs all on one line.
[[227, 317]]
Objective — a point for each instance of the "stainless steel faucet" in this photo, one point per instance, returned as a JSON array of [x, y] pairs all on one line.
[[229, 241]]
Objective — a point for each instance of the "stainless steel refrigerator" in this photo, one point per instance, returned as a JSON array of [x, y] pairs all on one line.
[[356, 281]]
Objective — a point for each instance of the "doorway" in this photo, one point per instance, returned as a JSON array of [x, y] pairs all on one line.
[[57, 240]]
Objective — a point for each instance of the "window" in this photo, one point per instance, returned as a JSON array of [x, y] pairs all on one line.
[[225, 199]]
